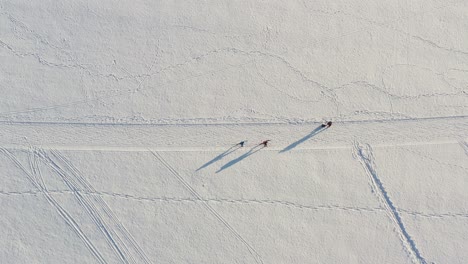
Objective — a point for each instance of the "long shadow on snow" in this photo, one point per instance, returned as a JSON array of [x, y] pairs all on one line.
[[220, 156], [243, 156], [311, 134]]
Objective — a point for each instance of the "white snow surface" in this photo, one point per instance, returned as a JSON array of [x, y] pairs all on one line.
[[119, 120]]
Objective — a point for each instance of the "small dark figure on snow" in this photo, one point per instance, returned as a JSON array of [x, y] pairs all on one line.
[[327, 125], [241, 143], [265, 143]]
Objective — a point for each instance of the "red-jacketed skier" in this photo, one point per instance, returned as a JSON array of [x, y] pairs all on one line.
[[265, 143]]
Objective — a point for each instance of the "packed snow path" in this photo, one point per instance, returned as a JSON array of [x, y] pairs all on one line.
[[221, 136]]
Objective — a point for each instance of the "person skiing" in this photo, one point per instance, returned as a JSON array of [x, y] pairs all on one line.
[[265, 143], [241, 143], [327, 125]]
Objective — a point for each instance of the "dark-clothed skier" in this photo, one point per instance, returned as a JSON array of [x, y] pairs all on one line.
[[265, 143], [327, 125], [241, 143]]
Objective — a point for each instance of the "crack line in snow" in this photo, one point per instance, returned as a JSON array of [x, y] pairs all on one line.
[[366, 84], [241, 201], [124, 92], [278, 56], [217, 200], [365, 156], [435, 160], [186, 185], [434, 215], [435, 45]]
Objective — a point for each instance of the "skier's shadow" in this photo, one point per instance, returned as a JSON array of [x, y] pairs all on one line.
[[243, 156], [220, 156], [311, 134]]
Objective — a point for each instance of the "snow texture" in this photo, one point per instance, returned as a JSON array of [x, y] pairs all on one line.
[[120, 125]]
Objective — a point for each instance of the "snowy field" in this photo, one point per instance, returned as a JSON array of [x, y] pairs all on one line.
[[119, 124]]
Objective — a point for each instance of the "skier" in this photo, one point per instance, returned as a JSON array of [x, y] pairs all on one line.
[[241, 143], [265, 143], [327, 125]]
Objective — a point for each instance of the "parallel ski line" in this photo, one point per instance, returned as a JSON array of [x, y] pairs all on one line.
[[110, 214], [252, 251], [36, 169], [40, 182], [85, 204], [61, 211], [365, 156], [464, 145], [88, 207], [89, 204], [104, 206]]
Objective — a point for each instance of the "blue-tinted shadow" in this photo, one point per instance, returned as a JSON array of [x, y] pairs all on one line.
[[220, 156], [243, 156], [307, 137]]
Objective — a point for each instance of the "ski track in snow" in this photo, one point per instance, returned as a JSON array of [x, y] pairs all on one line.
[[69, 220], [464, 146], [117, 236], [364, 154], [213, 137], [186, 185], [114, 232], [92, 211], [97, 209]]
